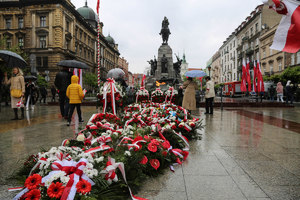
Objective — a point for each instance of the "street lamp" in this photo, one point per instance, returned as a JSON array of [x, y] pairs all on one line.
[[209, 68]]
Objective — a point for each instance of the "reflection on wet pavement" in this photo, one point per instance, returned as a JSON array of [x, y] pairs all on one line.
[[245, 154]]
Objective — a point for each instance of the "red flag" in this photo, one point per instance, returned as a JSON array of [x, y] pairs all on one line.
[[260, 81], [254, 77], [287, 36], [98, 6], [143, 81], [248, 76], [243, 82]]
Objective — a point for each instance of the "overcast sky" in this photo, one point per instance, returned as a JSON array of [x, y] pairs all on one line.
[[198, 27]]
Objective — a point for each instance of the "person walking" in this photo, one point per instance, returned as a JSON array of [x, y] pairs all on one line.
[[75, 95], [17, 90], [30, 90], [289, 93], [279, 91], [44, 93], [53, 92], [189, 98], [209, 96], [62, 81], [272, 92]]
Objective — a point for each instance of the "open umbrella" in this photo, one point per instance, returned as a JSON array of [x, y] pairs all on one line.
[[195, 73], [12, 59], [115, 73], [30, 77], [73, 64]]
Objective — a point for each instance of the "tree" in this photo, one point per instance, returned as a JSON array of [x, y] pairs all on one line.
[[90, 80]]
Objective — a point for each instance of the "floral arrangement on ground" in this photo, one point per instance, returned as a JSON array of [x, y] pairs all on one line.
[[157, 96], [112, 156]]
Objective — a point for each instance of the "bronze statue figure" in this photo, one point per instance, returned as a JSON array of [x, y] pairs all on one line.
[[177, 66], [153, 64], [164, 64], [165, 31]]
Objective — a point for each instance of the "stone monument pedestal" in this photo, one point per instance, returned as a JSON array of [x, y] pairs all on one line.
[[166, 50]]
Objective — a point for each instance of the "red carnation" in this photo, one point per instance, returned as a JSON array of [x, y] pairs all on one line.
[[165, 153], [55, 190], [147, 138], [87, 143], [154, 141], [166, 144], [155, 163], [83, 186], [152, 147], [34, 194], [94, 132], [32, 182], [144, 160]]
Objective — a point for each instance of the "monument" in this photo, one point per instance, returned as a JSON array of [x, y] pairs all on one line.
[[163, 69]]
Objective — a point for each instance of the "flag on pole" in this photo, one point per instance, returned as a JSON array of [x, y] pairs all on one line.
[[254, 89], [143, 81], [78, 72], [243, 82], [260, 80], [248, 75], [287, 36], [98, 6]]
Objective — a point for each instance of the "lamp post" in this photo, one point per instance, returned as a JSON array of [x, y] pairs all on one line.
[[209, 68]]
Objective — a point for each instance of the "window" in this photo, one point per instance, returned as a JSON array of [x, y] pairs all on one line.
[[264, 53], [43, 42], [251, 31], [80, 51], [21, 42], [264, 67], [68, 26], [21, 22], [67, 44], [76, 48], [298, 58], [271, 68], [42, 21], [279, 65], [8, 43], [42, 62], [8, 23], [292, 59], [256, 27], [80, 37]]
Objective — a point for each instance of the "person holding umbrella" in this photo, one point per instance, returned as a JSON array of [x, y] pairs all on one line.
[[189, 98], [17, 90], [62, 81], [209, 95]]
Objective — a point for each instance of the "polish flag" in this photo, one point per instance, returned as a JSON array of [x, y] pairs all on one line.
[[244, 77], [248, 75], [260, 80], [287, 36], [254, 89], [78, 72], [98, 6]]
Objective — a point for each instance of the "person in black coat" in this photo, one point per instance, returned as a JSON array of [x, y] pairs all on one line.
[[272, 93], [44, 93], [62, 81], [30, 94], [53, 92], [289, 93]]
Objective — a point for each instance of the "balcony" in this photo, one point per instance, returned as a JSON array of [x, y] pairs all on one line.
[[246, 38], [249, 51]]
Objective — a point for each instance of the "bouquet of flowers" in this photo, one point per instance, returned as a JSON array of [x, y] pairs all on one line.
[[111, 96], [157, 96], [171, 95], [142, 95], [111, 153]]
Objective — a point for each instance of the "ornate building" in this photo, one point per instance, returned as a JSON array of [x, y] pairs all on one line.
[[51, 31], [123, 64], [184, 66]]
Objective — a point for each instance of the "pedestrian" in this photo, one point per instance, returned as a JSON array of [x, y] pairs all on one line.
[[209, 96], [62, 81], [75, 95], [44, 93], [272, 92], [179, 96], [189, 98], [289, 93], [30, 91], [53, 92], [17, 90], [279, 90]]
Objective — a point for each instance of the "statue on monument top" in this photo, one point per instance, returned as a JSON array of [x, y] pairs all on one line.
[[165, 31], [153, 64]]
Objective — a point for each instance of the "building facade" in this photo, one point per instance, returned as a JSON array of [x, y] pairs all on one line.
[[123, 64], [228, 52], [216, 68], [249, 32], [184, 66]]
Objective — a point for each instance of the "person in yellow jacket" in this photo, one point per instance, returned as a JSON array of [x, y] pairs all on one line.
[[75, 95]]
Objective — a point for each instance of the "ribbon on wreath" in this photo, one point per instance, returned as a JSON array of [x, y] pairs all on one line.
[[135, 117], [142, 89], [172, 94], [110, 83], [133, 145], [102, 147], [110, 174]]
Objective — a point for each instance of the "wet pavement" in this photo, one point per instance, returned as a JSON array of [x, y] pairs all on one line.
[[245, 154]]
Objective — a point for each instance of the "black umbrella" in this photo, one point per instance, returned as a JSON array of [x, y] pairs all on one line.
[[30, 77], [12, 59], [73, 64]]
